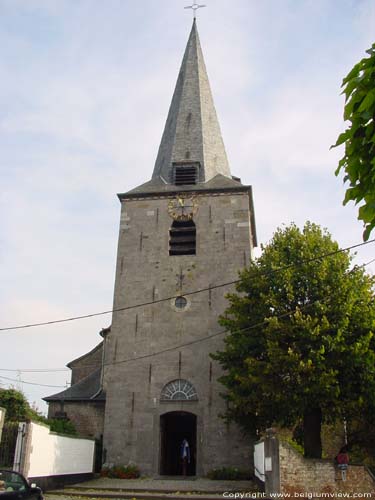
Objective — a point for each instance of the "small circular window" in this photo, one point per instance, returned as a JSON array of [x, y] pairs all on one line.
[[180, 302]]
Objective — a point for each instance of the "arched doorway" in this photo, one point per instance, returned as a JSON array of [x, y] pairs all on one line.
[[176, 426]]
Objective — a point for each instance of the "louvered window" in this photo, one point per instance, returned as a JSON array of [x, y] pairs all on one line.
[[185, 174], [182, 238]]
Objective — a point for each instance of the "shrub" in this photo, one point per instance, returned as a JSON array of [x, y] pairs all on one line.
[[296, 446], [62, 426], [229, 473], [129, 471]]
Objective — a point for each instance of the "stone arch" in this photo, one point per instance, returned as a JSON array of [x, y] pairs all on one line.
[[179, 390], [176, 426]]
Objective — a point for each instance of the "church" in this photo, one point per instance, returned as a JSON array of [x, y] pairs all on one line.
[[184, 235]]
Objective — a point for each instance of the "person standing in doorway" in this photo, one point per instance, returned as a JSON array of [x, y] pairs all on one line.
[[343, 461], [185, 456]]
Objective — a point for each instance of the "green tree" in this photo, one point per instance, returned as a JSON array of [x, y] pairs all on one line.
[[16, 405], [18, 409], [300, 345], [358, 162]]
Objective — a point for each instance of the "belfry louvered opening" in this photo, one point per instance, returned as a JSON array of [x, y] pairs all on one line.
[[182, 238], [185, 174]]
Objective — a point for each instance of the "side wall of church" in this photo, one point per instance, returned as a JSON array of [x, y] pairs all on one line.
[[87, 417], [184, 338], [86, 364]]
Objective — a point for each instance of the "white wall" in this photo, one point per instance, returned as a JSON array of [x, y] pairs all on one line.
[[2, 418], [52, 454], [259, 461]]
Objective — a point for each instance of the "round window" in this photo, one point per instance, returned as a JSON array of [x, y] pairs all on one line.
[[180, 302]]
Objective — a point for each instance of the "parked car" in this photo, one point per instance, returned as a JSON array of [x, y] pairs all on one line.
[[13, 486]]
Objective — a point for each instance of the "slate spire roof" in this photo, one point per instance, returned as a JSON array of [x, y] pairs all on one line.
[[192, 132]]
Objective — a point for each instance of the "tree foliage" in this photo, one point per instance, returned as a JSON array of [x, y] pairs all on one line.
[[16, 405], [62, 426], [18, 409], [358, 162], [310, 356]]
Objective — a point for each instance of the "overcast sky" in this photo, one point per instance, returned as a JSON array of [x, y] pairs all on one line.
[[85, 87]]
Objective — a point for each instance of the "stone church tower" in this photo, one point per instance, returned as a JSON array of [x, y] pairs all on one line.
[[190, 228], [151, 382]]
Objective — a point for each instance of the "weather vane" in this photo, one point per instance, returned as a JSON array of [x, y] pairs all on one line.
[[194, 8]]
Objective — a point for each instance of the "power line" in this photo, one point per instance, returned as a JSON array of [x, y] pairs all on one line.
[[251, 327], [33, 370], [202, 339], [212, 287], [31, 383]]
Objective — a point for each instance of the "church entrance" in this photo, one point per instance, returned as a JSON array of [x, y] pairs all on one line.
[[176, 426]]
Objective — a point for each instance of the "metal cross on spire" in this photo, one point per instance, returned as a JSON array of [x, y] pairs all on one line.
[[194, 8]]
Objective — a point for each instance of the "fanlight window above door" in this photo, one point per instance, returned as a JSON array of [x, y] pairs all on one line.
[[179, 390]]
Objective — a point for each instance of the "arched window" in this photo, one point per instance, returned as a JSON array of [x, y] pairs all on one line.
[[179, 390], [182, 238]]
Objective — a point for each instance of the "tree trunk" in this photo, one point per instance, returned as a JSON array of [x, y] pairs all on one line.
[[312, 423]]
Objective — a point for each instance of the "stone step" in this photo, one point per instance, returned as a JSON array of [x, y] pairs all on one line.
[[153, 493], [141, 495], [154, 489]]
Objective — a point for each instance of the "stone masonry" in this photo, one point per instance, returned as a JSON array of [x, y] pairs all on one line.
[[300, 475], [83, 403], [86, 364], [87, 417], [146, 272]]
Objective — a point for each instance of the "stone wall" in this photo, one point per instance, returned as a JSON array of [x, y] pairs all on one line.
[[87, 417], [146, 272], [301, 475], [86, 364], [2, 419]]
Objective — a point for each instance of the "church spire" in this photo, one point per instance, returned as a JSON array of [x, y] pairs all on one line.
[[192, 136]]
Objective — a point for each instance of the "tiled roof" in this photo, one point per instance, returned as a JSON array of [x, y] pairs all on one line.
[[87, 389], [157, 186]]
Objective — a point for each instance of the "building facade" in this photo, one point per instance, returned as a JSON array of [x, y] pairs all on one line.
[[184, 235], [83, 403]]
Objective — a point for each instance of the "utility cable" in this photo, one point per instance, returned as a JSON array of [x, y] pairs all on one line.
[[202, 339], [158, 301], [31, 383], [223, 332], [33, 370]]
